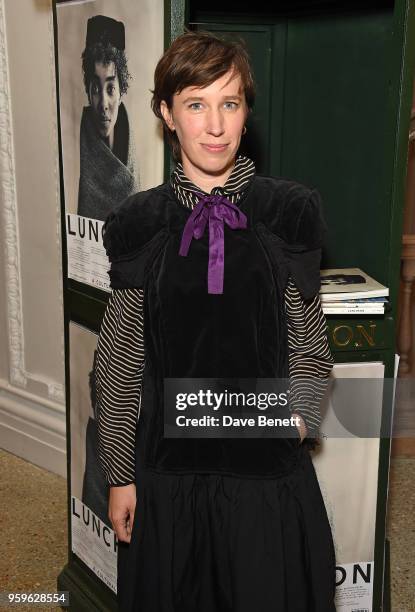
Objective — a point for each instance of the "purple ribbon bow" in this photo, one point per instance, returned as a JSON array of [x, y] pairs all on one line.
[[218, 210]]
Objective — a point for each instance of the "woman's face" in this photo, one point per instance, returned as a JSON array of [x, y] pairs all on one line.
[[208, 122], [105, 98]]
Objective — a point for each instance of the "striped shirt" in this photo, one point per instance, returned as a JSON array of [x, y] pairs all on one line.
[[120, 354]]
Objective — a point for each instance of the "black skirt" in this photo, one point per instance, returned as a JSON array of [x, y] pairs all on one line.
[[216, 543]]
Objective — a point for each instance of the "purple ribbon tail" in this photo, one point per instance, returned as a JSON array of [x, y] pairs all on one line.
[[186, 238], [194, 228], [216, 255], [218, 210]]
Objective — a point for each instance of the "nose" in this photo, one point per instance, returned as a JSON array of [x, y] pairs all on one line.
[[103, 101], [215, 122]]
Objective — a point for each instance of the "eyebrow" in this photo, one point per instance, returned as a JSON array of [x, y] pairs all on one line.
[[199, 98]]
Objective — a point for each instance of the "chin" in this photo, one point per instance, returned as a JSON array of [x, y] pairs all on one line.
[[105, 133], [216, 166]]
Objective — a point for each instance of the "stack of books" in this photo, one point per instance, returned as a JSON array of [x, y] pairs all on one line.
[[351, 291]]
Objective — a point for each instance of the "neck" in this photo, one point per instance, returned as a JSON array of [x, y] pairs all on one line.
[[110, 140], [206, 182]]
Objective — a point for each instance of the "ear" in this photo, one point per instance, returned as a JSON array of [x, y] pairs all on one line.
[[167, 116]]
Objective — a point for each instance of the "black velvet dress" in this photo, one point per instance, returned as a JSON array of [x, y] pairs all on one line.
[[221, 524]]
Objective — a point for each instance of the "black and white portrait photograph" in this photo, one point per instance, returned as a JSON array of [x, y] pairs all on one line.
[[108, 161], [112, 146]]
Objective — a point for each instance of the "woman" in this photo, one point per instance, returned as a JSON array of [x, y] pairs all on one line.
[[214, 274]]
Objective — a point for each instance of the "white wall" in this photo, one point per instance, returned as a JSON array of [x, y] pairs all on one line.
[[32, 412]]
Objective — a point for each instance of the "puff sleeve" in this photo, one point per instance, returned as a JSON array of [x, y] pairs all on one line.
[[301, 234], [293, 231], [132, 234]]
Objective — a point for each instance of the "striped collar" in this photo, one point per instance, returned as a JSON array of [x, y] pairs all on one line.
[[233, 189]]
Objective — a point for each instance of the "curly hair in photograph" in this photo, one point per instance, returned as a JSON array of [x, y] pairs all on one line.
[[105, 53]]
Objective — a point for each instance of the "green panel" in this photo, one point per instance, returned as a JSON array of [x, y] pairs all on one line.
[[265, 11], [336, 129], [86, 310], [278, 72]]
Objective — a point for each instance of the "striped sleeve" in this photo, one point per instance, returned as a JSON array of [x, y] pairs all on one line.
[[119, 366], [309, 356]]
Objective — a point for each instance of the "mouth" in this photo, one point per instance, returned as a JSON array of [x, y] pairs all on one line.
[[214, 148], [104, 120]]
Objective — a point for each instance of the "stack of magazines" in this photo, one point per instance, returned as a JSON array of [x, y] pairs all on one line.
[[351, 291]]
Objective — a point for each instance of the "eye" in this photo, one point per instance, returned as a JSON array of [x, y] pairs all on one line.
[[195, 105], [111, 89], [94, 88], [231, 105]]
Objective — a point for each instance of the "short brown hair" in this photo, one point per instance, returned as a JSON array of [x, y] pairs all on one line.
[[197, 59]]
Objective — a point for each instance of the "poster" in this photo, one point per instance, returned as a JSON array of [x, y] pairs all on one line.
[[347, 470], [93, 539], [112, 144]]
